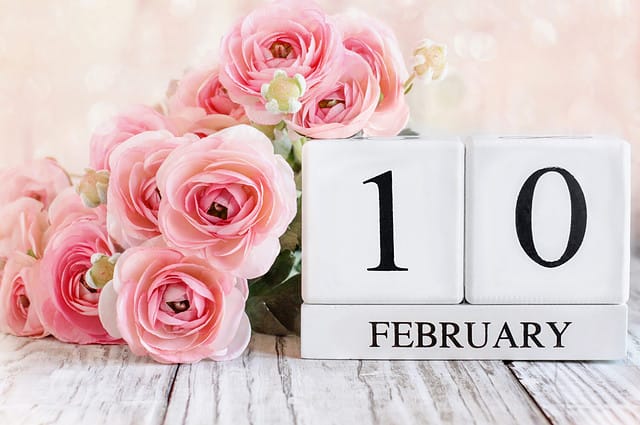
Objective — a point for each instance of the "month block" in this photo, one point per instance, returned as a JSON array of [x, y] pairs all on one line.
[[383, 221], [547, 220], [464, 331]]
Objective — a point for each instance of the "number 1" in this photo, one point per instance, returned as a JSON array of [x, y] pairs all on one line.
[[385, 202]]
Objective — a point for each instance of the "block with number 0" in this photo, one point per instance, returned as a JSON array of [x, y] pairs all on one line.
[[547, 220], [383, 221]]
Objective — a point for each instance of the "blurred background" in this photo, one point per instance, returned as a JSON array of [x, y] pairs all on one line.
[[516, 66]]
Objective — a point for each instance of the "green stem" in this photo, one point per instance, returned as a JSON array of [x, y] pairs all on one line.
[[408, 85]]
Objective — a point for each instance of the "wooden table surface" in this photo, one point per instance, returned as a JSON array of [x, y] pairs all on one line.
[[45, 381]]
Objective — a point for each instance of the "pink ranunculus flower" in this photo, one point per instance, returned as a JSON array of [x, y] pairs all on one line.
[[23, 225], [199, 104], [17, 315], [135, 120], [40, 179], [376, 43], [175, 308], [228, 198], [133, 197], [68, 306], [343, 110], [68, 208], [293, 36]]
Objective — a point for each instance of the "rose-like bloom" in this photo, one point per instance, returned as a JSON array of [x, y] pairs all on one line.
[[40, 179], [293, 36], [133, 121], [133, 197], [175, 308], [344, 109], [376, 43], [22, 228], [228, 198], [17, 316], [199, 104], [68, 306], [68, 208]]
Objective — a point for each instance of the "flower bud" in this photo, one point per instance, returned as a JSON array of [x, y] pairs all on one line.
[[429, 60], [93, 187], [101, 271], [283, 93]]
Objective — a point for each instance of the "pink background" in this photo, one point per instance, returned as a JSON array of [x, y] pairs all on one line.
[[516, 66]]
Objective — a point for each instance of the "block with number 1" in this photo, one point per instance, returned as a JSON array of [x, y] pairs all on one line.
[[383, 221]]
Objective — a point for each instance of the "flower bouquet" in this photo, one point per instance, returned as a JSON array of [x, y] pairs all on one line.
[[184, 233]]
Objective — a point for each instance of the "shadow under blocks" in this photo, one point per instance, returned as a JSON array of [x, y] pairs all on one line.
[[504, 247]]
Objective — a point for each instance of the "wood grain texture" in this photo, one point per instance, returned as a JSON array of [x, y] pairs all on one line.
[[272, 385], [45, 381], [48, 382], [590, 392]]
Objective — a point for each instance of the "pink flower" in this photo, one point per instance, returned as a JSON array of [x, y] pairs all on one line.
[[136, 120], [376, 43], [68, 306], [227, 198], [201, 105], [22, 228], [292, 36], [68, 208], [344, 109], [175, 308], [133, 197], [40, 179], [17, 315]]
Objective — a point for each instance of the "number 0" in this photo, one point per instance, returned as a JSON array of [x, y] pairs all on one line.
[[385, 202], [578, 217]]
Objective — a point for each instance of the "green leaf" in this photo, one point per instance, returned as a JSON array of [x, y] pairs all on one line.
[[277, 310], [278, 273], [291, 239], [282, 146], [408, 132]]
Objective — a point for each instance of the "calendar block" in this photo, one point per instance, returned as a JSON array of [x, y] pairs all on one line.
[[383, 221], [547, 220], [465, 331]]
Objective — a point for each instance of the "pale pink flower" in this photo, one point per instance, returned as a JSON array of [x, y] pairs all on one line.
[[175, 308], [135, 120], [40, 179], [229, 198], [23, 225], [17, 314], [293, 36], [68, 306], [133, 197], [199, 104], [344, 109], [376, 43]]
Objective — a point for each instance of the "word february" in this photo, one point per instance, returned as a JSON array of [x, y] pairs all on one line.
[[464, 331], [469, 335]]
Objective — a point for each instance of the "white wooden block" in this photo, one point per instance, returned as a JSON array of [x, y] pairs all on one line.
[[547, 220], [464, 331], [383, 221]]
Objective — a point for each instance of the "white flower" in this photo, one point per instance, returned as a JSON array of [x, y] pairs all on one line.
[[429, 60]]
